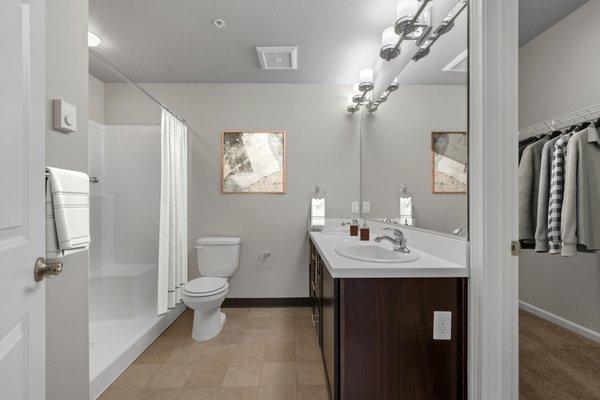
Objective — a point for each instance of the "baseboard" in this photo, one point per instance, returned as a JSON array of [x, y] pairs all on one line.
[[266, 302], [565, 323]]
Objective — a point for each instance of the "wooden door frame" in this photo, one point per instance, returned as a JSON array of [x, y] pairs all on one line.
[[493, 105]]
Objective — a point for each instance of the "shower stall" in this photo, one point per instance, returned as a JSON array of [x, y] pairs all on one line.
[[124, 251]]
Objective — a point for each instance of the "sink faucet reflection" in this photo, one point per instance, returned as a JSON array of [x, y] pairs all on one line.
[[351, 221], [399, 241]]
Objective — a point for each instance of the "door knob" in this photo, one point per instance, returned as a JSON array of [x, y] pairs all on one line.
[[43, 268]]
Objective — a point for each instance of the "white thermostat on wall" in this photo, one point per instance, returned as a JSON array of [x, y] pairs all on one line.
[[65, 116]]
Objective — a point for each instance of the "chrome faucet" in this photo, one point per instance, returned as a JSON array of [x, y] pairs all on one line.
[[389, 220], [351, 221], [399, 241]]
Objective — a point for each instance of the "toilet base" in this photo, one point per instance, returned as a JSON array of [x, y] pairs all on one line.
[[207, 324]]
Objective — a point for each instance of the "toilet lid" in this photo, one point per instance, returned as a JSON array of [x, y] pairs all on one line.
[[205, 286]]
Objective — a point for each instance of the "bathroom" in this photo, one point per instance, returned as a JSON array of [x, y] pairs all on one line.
[[280, 200]]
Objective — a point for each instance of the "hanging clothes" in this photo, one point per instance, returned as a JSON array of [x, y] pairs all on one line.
[[529, 177], [541, 229], [581, 207], [555, 202]]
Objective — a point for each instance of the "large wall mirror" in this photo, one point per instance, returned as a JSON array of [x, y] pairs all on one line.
[[414, 148]]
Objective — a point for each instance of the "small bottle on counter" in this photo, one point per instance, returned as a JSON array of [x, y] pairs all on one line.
[[354, 227], [364, 231]]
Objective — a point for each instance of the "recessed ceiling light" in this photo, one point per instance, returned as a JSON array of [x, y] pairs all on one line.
[[218, 23], [93, 39]]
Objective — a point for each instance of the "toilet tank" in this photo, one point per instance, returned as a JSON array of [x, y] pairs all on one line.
[[218, 256]]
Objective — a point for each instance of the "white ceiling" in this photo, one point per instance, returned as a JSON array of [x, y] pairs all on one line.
[[535, 16], [174, 41]]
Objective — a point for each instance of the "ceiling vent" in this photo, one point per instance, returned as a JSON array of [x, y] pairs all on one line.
[[278, 57], [459, 64]]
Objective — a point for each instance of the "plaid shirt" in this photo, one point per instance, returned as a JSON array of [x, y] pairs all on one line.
[[559, 155]]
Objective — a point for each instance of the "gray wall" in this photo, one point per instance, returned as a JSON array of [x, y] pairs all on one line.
[[96, 91], [558, 73], [67, 357], [323, 146], [396, 150]]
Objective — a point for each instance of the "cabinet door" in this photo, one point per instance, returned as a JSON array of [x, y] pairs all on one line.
[[330, 328], [312, 268], [387, 346]]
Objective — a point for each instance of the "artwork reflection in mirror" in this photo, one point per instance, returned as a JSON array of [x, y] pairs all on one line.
[[449, 162]]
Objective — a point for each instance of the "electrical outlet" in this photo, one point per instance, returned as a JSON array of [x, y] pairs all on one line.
[[442, 325], [355, 209], [366, 207]]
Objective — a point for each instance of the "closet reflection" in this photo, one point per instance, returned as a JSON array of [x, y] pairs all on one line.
[[414, 147]]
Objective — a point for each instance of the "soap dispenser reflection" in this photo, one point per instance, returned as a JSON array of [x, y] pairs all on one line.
[[317, 208]]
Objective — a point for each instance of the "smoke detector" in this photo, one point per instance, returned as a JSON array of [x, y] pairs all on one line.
[[218, 23], [278, 57]]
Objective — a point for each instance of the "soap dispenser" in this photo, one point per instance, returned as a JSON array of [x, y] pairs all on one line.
[[354, 226], [364, 231]]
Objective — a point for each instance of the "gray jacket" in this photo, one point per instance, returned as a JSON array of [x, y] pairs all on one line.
[[529, 178], [581, 205]]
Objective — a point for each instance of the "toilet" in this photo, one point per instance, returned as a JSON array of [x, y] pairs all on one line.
[[218, 259]]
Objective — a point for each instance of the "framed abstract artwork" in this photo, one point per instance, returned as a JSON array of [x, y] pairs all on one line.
[[253, 162], [449, 162]]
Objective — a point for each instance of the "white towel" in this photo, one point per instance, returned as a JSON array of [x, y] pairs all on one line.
[[67, 212], [406, 213], [317, 213]]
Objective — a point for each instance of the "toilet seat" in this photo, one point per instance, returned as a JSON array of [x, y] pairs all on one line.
[[205, 286]]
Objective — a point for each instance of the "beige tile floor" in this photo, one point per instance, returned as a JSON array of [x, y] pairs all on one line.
[[261, 354]]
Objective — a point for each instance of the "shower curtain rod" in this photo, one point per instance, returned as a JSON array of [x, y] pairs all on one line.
[[132, 83]]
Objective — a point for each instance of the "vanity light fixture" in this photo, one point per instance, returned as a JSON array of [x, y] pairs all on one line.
[[362, 95], [93, 39], [445, 27], [383, 97], [413, 23]]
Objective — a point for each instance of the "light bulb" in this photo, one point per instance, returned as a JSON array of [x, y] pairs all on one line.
[[389, 38], [366, 75], [366, 80], [93, 39]]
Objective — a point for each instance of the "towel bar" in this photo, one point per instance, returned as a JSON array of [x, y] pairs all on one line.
[[93, 179]]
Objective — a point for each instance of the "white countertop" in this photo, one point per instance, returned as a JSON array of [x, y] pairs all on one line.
[[427, 266]]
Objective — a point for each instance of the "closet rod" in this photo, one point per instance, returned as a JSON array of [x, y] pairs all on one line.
[[132, 83], [585, 114]]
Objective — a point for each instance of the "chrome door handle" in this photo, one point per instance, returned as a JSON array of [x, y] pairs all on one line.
[[43, 268], [315, 319]]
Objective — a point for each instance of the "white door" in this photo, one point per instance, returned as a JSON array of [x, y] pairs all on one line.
[[22, 299]]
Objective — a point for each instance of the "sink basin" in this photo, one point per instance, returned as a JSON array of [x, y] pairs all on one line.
[[376, 254], [336, 230]]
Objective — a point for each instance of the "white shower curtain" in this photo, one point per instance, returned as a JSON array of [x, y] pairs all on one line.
[[172, 246]]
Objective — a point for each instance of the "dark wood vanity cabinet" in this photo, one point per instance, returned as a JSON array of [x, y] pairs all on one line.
[[376, 336]]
